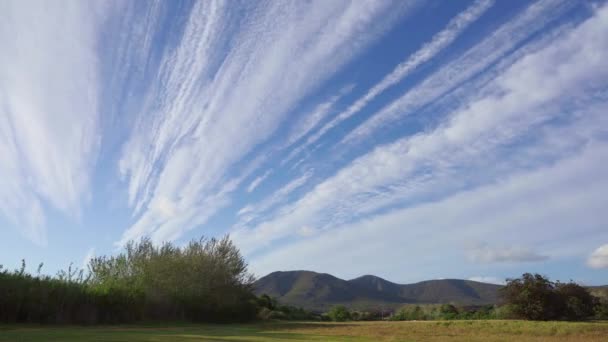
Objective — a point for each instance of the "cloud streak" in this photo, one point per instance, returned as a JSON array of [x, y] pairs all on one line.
[[436, 231], [220, 106], [49, 134], [481, 56], [488, 254], [523, 97], [438, 43]]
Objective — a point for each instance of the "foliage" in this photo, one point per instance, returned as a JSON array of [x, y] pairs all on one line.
[[205, 281], [535, 297], [269, 309], [446, 312], [601, 309], [339, 313]]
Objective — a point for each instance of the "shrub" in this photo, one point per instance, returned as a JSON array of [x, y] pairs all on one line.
[[534, 297], [339, 313], [205, 281]]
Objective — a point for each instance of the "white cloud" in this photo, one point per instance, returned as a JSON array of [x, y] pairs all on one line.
[[310, 121], [256, 182], [250, 211], [537, 208], [215, 108], [488, 279], [526, 95], [450, 76], [599, 257], [484, 253], [439, 42], [49, 134], [87, 258]]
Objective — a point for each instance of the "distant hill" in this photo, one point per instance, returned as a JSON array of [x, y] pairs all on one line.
[[599, 291], [319, 291]]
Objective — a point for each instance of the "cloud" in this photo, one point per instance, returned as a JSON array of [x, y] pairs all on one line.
[[49, 132], [453, 76], [530, 93], [256, 182], [488, 279], [87, 258], [251, 211], [321, 111], [487, 254], [531, 208], [599, 257], [427, 52], [218, 104]]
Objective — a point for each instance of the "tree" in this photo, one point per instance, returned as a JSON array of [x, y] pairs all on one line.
[[577, 303], [535, 297], [532, 297], [448, 311], [339, 313]]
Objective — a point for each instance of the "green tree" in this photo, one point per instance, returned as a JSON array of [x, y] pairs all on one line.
[[339, 313], [532, 297], [448, 311], [577, 303], [535, 297]]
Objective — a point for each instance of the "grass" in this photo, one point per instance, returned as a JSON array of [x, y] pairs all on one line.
[[520, 331]]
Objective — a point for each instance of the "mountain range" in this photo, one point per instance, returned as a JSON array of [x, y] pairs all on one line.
[[319, 291]]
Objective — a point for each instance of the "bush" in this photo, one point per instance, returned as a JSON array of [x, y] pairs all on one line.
[[206, 281], [535, 297], [339, 313]]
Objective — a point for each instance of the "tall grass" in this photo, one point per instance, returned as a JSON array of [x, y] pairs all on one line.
[[206, 281]]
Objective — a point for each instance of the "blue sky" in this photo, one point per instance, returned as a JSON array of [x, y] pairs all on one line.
[[412, 140]]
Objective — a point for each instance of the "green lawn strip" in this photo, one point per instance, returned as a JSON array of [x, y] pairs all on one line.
[[314, 331], [264, 332]]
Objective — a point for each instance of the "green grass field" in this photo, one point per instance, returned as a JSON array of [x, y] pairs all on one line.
[[352, 331]]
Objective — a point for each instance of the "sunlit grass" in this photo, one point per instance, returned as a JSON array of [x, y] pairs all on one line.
[[350, 331]]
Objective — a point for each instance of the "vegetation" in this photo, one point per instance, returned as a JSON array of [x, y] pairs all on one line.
[[339, 313], [319, 292], [535, 297], [496, 330], [269, 309], [447, 312], [206, 281]]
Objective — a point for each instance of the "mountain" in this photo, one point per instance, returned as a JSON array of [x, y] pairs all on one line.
[[599, 291], [319, 291]]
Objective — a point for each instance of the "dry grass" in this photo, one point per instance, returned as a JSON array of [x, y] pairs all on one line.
[[520, 331], [462, 331]]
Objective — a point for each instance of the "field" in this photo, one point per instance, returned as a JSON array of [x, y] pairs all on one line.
[[352, 331]]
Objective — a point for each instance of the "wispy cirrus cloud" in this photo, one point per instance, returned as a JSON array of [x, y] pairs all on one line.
[[256, 182], [523, 97], [499, 44], [435, 231], [439, 42], [251, 211], [484, 253], [219, 106], [49, 134]]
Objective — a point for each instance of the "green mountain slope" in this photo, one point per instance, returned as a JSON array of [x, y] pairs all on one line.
[[319, 291]]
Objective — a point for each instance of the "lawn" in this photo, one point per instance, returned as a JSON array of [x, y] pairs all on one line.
[[353, 331]]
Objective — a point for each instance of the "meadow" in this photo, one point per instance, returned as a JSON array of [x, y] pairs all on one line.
[[486, 330]]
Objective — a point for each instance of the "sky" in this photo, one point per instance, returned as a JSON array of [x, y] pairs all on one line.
[[411, 140]]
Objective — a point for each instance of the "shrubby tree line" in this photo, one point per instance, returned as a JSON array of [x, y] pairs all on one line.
[[208, 281], [535, 297], [205, 281], [270, 309], [531, 297]]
